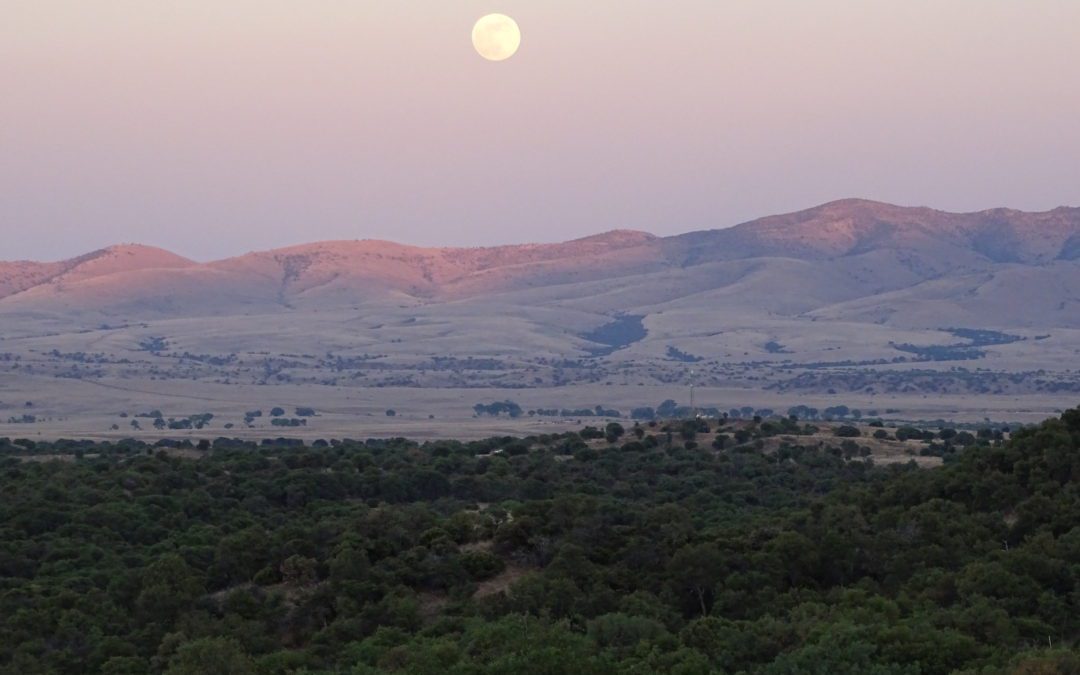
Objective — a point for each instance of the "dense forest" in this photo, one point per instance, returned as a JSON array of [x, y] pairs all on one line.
[[642, 550]]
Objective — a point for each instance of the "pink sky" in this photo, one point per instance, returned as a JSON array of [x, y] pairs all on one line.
[[214, 127]]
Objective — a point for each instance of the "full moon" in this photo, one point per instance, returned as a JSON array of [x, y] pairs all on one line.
[[496, 37]]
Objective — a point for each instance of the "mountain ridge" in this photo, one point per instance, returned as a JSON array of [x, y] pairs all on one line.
[[845, 251], [840, 211]]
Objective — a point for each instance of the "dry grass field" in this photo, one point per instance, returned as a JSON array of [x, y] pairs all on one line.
[[431, 364], [66, 408], [910, 313]]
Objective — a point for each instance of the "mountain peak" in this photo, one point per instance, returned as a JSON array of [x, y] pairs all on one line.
[[617, 237], [122, 258]]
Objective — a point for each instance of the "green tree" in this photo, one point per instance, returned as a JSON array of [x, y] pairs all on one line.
[[614, 431], [169, 585], [695, 570], [211, 656]]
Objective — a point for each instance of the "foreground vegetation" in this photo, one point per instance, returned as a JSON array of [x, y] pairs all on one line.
[[642, 550]]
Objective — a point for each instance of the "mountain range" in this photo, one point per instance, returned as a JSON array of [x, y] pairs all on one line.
[[852, 260]]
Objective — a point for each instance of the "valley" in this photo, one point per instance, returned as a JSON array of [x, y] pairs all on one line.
[[922, 313]]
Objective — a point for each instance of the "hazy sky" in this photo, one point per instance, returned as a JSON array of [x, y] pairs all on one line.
[[215, 127]]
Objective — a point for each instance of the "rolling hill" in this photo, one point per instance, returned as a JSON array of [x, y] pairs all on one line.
[[848, 260], [920, 312]]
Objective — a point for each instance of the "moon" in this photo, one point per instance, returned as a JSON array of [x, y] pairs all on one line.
[[496, 37]]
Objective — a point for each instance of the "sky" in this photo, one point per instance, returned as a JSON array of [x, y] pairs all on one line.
[[217, 127]]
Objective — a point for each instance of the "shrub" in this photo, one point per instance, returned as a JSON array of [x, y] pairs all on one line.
[[481, 565]]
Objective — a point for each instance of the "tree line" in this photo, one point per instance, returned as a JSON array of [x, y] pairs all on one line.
[[646, 549]]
